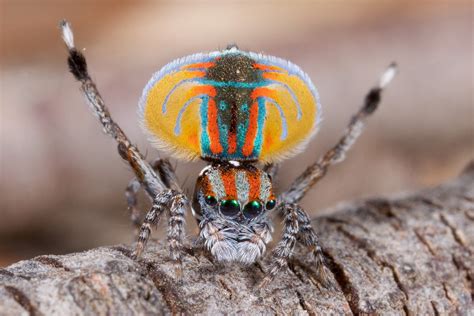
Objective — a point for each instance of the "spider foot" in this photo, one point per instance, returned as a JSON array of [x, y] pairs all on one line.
[[178, 270], [322, 278], [137, 253], [264, 283]]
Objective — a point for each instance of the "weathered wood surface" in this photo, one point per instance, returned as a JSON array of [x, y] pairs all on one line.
[[412, 254]]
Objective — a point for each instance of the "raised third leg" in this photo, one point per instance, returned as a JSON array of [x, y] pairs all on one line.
[[317, 171], [78, 67]]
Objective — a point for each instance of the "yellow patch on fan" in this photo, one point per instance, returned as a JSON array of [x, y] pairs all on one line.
[[290, 119]]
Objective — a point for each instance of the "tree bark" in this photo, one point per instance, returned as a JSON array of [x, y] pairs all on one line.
[[411, 254]]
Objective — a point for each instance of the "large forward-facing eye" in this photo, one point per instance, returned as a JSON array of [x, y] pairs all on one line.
[[252, 209], [230, 207]]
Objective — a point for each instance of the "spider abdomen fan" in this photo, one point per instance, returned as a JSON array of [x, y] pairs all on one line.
[[230, 105]]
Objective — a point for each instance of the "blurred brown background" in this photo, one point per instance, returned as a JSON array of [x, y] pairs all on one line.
[[62, 180]]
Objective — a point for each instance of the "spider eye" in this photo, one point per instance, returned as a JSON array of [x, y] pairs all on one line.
[[252, 209], [210, 200], [270, 205], [230, 207]]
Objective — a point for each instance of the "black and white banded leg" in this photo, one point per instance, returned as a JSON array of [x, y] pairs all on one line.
[[317, 171], [307, 236], [296, 228], [176, 203], [167, 176], [156, 186]]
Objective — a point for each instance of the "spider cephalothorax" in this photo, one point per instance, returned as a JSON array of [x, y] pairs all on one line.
[[234, 109], [231, 203]]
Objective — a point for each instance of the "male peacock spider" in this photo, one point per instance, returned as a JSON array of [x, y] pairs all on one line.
[[233, 109]]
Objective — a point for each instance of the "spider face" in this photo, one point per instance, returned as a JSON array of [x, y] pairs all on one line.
[[231, 204], [238, 193]]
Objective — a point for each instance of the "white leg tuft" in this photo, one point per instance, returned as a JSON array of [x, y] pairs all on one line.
[[388, 75], [68, 36]]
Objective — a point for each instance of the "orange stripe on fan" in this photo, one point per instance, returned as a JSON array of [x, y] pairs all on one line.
[[209, 90], [266, 67], [251, 130], [269, 93], [262, 92], [271, 75], [213, 127], [199, 65]]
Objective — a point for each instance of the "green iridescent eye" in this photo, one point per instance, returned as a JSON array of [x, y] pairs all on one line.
[[252, 209], [230, 207], [210, 200], [270, 205]]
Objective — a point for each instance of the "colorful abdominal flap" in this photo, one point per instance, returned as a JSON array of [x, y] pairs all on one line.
[[230, 105]]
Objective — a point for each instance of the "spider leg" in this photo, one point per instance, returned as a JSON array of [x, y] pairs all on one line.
[[131, 195], [307, 236], [78, 67], [156, 186], [176, 204], [176, 223], [166, 173], [316, 171], [167, 176], [284, 249], [297, 227]]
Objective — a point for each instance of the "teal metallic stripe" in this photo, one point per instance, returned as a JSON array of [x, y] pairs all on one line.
[[234, 84], [205, 143], [257, 146]]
